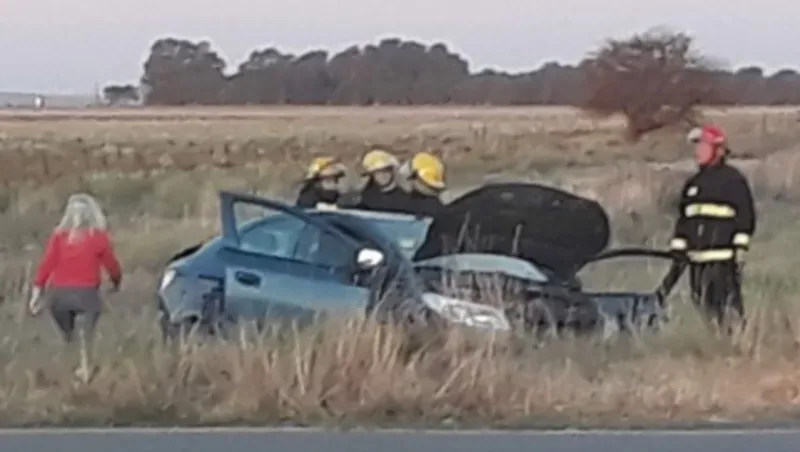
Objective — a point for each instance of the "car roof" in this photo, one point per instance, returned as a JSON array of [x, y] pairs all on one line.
[[373, 214]]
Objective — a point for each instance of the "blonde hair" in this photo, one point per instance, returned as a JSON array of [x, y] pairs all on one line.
[[82, 212]]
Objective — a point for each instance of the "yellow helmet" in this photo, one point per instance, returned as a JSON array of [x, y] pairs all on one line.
[[378, 159], [429, 169], [325, 167]]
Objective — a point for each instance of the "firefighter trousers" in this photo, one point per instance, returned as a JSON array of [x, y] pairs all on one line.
[[717, 291]]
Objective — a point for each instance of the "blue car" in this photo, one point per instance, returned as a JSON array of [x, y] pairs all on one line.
[[276, 263]]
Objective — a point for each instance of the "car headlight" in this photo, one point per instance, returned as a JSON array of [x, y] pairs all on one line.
[[167, 278], [466, 313]]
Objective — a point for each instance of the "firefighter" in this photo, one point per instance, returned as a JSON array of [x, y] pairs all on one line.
[[425, 171], [716, 221], [382, 191], [321, 188]]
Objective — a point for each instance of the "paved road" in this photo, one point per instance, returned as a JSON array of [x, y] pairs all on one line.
[[251, 440]]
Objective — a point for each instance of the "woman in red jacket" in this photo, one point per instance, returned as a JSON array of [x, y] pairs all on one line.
[[70, 270]]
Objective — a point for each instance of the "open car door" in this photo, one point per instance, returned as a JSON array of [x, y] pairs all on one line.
[[553, 229], [640, 302], [283, 264], [676, 264]]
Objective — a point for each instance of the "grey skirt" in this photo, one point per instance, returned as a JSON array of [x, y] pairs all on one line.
[[75, 308], [79, 300]]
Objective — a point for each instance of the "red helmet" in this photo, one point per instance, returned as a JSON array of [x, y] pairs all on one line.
[[707, 134]]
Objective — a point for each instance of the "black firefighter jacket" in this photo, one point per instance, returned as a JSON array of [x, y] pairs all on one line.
[[374, 198], [311, 196], [717, 215], [423, 205]]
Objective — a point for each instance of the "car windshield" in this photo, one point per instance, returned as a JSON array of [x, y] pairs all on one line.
[[407, 231]]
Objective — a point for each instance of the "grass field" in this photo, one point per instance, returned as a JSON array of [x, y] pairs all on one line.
[[49, 144], [158, 175]]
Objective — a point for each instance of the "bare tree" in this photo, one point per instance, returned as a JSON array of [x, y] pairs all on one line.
[[656, 79]]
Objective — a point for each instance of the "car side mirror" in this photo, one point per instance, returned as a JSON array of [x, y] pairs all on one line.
[[369, 258]]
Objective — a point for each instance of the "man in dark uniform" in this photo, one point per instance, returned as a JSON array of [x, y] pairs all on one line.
[[382, 191], [321, 188], [716, 220], [426, 174]]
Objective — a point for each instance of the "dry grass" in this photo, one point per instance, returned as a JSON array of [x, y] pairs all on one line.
[[475, 141], [356, 372], [359, 373], [351, 371]]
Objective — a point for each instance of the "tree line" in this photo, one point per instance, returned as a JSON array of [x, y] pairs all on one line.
[[397, 72]]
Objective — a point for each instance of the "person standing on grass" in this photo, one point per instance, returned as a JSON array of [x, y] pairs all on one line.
[[70, 271], [715, 223]]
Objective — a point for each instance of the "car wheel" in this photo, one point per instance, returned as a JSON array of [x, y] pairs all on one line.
[[610, 328], [171, 331]]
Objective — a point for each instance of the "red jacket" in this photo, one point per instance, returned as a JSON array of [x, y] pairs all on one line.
[[77, 263]]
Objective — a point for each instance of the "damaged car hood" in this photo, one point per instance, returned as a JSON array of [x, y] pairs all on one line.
[[549, 228], [486, 263]]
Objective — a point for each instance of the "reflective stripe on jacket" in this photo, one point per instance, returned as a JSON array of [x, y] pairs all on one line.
[[717, 215]]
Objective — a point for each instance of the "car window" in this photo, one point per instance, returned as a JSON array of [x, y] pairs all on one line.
[[319, 247], [408, 235], [273, 237], [282, 235], [407, 231]]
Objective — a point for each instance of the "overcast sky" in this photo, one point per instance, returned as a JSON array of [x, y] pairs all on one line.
[[61, 46]]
